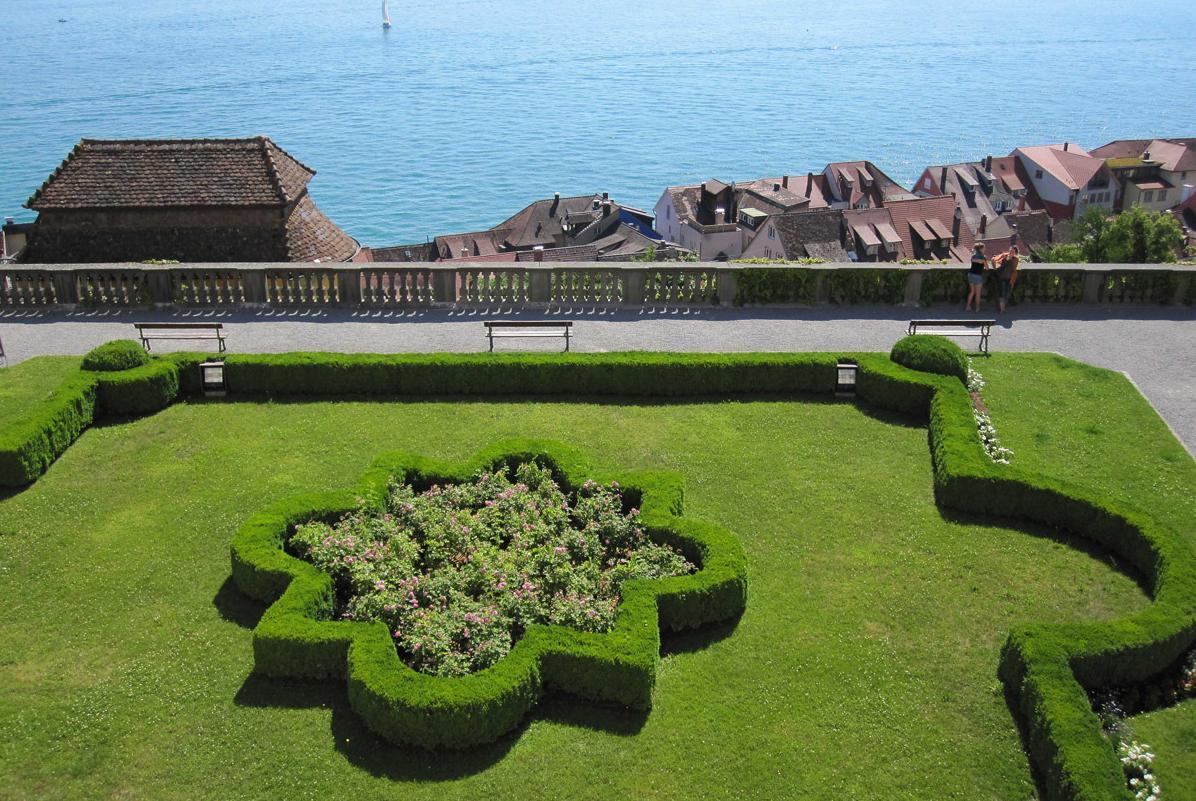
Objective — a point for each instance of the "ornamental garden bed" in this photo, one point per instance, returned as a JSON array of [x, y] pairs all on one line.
[[865, 663]]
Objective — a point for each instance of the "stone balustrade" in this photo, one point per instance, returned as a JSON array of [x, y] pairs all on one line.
[[570, 285]]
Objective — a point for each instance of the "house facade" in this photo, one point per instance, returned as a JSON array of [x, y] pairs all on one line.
[[1156, 174], [1067, 179]]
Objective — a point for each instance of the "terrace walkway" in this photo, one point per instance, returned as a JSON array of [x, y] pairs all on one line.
[[1155, 346]]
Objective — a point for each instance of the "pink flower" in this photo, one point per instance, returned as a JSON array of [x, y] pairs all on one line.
[[379, 585], [560, 549]]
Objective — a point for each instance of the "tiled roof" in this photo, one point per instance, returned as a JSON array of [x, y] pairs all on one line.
[[974, 204], [883, 189], [809, 233], [1072, 167], [1173, 155], [935, 213], [313, 237], [478, 243], [573, 253], [173, 172]]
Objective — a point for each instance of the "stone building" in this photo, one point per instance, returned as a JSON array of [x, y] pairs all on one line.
[[196, 200]]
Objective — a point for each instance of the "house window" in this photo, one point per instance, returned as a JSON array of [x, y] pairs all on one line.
[[999, 206], [1038, 173], [668, 213], [1162, 195], [772, 232], [1148, 196]]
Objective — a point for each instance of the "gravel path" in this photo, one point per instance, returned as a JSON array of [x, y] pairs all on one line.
[[1156, 347]]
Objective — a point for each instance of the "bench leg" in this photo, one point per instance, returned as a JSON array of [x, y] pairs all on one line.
[[490, 336], [566, 341], [221, 340], [145, 343]]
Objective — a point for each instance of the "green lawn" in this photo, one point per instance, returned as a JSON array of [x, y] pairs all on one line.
[[864, 667], [24, 385]]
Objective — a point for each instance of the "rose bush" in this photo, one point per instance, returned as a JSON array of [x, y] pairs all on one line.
[[458, 571]]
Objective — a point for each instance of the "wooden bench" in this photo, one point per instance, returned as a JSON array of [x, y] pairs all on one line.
[[955, 328], [518, 328], [208, 331]]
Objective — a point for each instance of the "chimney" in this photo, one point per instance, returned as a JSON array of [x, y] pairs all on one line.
[[720, 215], [988, 163], [1065, 147], [538, 253], [776, 187], [785, 181], [606, 208], [983, 225], [606, 195], [465, 253]]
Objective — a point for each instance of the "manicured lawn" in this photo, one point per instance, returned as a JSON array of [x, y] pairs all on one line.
[[1171, 734], [864, 667], [26, 384]]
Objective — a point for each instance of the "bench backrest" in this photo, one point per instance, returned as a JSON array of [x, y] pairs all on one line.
[[176, 326], [956, 323], [531, 324]]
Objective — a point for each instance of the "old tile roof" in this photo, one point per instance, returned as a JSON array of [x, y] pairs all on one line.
[[882, 190], [1172, 155], [1072, 167], [572, 253], [803, 234], [934, 213], [974, 197], [313, 237], [135, 173], [418, 252], [477, 243]]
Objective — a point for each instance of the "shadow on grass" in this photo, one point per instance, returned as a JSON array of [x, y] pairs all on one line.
[[236, 607], [380, 758], [688, 642], [1031, 764], [1075, 542]]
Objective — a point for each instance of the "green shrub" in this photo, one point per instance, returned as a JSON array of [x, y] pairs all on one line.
[[867, 285], [296, 638], [119, 354], [138, 391], [931, 354], [599, 374], [30, 443], [776, 285]]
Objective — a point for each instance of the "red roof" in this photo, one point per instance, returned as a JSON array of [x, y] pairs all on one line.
[[907, 214], [138, 173]]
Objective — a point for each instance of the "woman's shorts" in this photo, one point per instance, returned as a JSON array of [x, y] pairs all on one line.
[[975, 280]]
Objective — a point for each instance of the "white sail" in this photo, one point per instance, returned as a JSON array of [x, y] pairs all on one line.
[[385, 15]]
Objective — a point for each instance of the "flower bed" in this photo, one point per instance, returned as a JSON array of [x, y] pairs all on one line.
[[457, 572]]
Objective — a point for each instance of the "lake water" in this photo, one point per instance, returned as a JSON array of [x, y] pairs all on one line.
[[468, 109]]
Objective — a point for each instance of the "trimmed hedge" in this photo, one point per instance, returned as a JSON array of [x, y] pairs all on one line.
[[1046, 668], [297, 638], [138, 391], [119, 354], [931, 354], [30, 443], [622, 374]]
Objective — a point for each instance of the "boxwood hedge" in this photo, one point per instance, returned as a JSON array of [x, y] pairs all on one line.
[[297, 638], [1045, 668], [119, 354]]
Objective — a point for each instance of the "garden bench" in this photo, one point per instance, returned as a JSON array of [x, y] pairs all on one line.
[[207, 331], [955, 328], [518, 328]]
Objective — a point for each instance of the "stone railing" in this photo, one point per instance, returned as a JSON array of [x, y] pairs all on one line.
[[568, 285]]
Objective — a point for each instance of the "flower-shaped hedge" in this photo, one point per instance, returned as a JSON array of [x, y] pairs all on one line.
[[297, 636]]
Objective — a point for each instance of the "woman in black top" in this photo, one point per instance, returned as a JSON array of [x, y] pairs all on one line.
[[976, 277]]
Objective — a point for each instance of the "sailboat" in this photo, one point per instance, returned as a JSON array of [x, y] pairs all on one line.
[[385, 16]]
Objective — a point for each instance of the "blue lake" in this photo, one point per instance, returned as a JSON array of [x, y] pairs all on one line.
[[468, 109]]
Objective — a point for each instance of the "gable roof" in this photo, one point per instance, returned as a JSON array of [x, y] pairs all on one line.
[[1073, 167], [313, 237], [966, 183], [882, 190], [935, 213], [815, 233], [141, 173], [1172, 155]]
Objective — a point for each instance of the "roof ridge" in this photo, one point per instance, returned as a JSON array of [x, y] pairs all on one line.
[[272, 170]]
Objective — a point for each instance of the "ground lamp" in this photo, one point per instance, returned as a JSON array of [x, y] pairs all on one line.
[[212, 377], [845, 375]]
